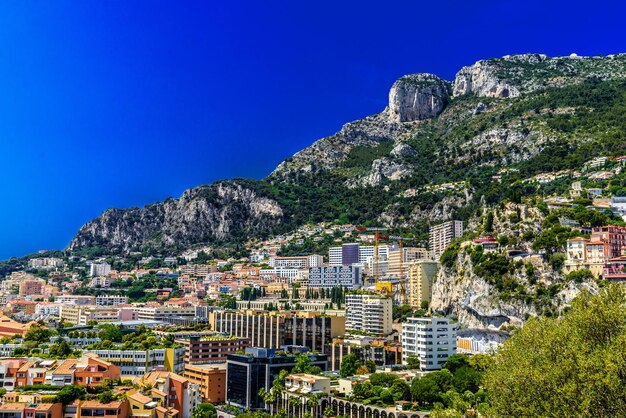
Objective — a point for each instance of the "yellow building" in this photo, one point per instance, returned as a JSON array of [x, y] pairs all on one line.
[[421, 276]]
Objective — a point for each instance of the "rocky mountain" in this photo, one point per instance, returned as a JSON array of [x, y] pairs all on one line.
[[428, 156], [215, 213]]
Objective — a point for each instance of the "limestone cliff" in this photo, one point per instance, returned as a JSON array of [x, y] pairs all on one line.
[[216, 213]]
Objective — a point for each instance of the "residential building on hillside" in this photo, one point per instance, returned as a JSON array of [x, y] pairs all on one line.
[[605, 244], [99, 269], [432, 340], [177, 391], [45, 263], [263, 329], [442, 235], [32, 410], [369, 313], [31, 287], [273, 330], [165, 313], [395, 263]]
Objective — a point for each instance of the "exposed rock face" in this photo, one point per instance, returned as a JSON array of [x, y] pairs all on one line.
[[475, 302], [218, 212], [513, 75], [403, 150], [386, 169], [417, 97], [327, 152], [481, 79]]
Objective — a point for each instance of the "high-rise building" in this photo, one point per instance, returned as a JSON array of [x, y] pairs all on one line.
[[311, 330], [432, 340], [334, 256], [420, 280], [395, 262], [350, 253], [369, 313], [366, 253], [442, 235]]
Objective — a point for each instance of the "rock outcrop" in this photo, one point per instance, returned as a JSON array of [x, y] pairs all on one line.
[[416, 97], [219, 212]]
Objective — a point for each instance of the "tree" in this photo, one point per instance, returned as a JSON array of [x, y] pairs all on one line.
[[204, 410], [425, 391], [371, 366], [413, 361], [70, 393], [401, 390], [106, 397], [349, 365], [37, 334], [455, 361], [569, 366], [60, 350], [303, 365]]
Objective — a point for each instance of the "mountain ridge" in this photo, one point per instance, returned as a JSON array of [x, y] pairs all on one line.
[[433, 131]]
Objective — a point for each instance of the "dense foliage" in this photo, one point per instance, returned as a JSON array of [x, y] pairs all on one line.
[[575, 367]]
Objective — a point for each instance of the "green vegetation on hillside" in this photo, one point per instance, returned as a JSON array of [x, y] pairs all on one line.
[[575, 367]]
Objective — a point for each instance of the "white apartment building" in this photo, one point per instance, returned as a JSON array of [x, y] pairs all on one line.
[[442, 235], [46, 263], [334, 256], [368, 313], [111, 300], [165, 313], [43, 309], [75, 299], [292, 274], [366, 252], [432, 340], [103, 282], [99, 269]]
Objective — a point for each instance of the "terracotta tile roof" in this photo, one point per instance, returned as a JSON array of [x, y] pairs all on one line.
[[12, 407], [67, 367], [142, 399], [96, 404]]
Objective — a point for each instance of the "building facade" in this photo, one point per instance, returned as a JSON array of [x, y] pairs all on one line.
[[420, 281], [369, 313], [327, 277], [442, 235], [431, 339]]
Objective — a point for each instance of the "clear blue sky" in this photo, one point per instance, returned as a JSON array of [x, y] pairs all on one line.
[[121, 103]]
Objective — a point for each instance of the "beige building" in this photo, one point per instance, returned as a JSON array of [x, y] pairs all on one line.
[[419, 285], [442, 235], [395, 264], [369, 313]]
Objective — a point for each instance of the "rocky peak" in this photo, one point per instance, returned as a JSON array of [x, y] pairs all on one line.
[[482, 79], [417, 97]]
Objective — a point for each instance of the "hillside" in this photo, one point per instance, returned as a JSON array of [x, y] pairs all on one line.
[[429, 156]]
